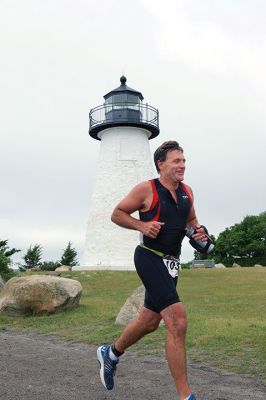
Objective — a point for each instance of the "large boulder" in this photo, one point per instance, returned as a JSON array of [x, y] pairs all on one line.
[[39, 294], [132, 306], [54, 273], [131, 309]]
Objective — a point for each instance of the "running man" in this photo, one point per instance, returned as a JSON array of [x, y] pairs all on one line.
[[166, 209]]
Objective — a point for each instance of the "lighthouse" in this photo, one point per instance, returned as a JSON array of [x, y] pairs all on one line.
[[123, 125]]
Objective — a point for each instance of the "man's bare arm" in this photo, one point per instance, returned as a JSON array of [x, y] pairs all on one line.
[[136, 201], [193, 222]]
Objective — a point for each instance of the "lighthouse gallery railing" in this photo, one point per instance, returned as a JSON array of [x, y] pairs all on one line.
[[124, 113]]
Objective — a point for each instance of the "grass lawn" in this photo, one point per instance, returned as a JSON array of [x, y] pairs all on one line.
[[226, 313]]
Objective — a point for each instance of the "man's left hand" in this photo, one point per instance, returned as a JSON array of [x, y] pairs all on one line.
[[201, 234]]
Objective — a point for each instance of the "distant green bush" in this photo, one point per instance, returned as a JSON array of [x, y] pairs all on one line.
[[69, 256], [32, 258], [5, 262], [49, 265], [186, 265]]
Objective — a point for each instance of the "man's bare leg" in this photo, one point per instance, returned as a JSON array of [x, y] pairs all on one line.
[[146, 322], [176, 324]]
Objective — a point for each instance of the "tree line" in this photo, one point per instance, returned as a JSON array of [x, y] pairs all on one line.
[[33, 259], [243, 243]]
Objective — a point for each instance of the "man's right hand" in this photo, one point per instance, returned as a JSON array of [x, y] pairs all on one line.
[[151, 228]]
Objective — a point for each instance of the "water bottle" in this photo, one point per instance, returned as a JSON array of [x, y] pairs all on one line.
[[202, 246]]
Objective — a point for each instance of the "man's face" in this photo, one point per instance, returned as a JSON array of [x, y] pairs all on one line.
[[173, 167]]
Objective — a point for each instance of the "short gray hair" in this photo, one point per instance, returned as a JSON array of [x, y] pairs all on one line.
[[161, 152]]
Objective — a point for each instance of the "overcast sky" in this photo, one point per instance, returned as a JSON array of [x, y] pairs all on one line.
[[201, 63]]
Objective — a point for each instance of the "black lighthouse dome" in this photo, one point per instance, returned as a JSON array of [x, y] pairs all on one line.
[[129, 93], [123, 107]]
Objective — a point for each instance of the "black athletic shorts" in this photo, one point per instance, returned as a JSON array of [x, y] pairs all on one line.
[[159, 284]]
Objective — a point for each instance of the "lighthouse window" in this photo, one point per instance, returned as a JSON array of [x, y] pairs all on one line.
[[132, 99], [119, 98]]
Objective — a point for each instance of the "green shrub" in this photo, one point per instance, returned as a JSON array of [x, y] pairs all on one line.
[[186, 265], [33, 256], [49, 265], [5, 253], [69, 256]]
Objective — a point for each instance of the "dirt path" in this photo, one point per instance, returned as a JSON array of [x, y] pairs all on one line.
[[41, 367]]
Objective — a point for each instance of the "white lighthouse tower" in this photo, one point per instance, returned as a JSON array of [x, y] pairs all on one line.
[[123, 125]]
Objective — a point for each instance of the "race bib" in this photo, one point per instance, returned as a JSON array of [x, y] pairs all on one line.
[[172, 264]]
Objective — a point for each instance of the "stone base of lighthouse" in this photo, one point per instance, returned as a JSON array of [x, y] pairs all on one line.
[[125, 160]]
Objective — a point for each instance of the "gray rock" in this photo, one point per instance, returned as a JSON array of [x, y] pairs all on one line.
[[130, 310], [132, 306], [39, 294], [220, 265], [235, 265], [63, 268], [258, 266]]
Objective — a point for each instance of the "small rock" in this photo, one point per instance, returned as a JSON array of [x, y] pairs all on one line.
[[219, 265], [63, 268]]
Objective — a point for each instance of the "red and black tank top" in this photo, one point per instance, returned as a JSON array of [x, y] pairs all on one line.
[[173, 214]]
